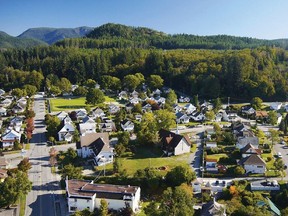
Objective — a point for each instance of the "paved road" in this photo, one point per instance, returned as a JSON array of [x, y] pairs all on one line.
[[45, 194]]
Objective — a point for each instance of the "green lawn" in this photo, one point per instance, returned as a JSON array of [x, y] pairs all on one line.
[[146, 157], [62, 104], [216, 156]]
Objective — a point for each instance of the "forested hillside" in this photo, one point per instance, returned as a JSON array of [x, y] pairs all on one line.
[[51, 35], [7, 41], [121, 36], [243, 73]]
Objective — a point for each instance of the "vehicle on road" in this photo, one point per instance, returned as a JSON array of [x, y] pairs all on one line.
[[279, 155]]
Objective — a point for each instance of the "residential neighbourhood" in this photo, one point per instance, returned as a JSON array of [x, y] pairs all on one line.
[[230, 148]]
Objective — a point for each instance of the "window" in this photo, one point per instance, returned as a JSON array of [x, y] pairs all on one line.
[[72, 208], [259, 166], [75, 200]]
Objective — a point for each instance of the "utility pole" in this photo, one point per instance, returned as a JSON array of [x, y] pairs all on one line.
[[228, 104]]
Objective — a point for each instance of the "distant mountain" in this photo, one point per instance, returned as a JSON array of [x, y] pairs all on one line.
[[52, 35], [8, 41]]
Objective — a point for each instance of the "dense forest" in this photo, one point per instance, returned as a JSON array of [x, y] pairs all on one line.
[[241, 73]]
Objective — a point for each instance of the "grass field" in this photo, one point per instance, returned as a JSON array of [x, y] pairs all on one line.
[[145, 157], [62, 104], [216, 156]]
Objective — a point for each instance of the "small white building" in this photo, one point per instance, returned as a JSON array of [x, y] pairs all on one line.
[[83, 194], [127, 125], [66, 133], [3, 111], [276, 106], [9, 137]]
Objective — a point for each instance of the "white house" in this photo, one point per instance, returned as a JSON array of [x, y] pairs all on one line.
[[182, 118], [81, 113], [198, 116], [83, 194], [7, 102], [253, 164], [123, 95], [279, 118], [112, 108], [87, 128], [61, 115], [189, 108], [138, 117], [3, 111], [174, 144], [248, 110], [16, 123], [211, 144], [18, 108], [276, 106], [9, 137], [211, 165], [250, 149], [96, 146], [97, 113], [66, 132], [127, 125]]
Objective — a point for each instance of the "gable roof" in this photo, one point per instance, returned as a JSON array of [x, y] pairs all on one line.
[[171, 139], [90, 138], [252, 160], [262, 114], [249, 146]]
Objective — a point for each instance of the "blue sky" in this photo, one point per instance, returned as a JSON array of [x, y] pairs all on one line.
[[265, 19]]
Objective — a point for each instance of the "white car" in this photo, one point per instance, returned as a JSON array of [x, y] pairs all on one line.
[[279, 155]]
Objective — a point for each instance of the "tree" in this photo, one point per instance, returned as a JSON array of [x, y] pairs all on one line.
[[279, 165], [147, 133], [272, 117], [177, 201], [29, 114], [18, 93], [65, 85], [171, 98], [71, 171], [103, 208], [110, 82], [256, 103], [13, 186], [131, 82], [80, 91], [117, 165], [210, 115], [24, 165], [165, 119], [179, 175], [53, 123], [35, 78], [95, 96], [274, 134], [217, 104], [90, 83], [123, 138], [155, 81], [137, 108], [30, 90], [55, 90], [239, 170]]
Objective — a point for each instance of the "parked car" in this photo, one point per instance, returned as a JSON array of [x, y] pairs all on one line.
[[279, 155]]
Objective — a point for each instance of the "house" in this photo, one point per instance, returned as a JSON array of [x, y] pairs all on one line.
[[253, 164], [265, 185], [66, 133], [276, 106], [107, 125], [3, 111], [135, 94], [88, 126], [248, 110], [84, 194], [127, 125], [174, 144], [157, 92], [189, 108], [147, 108], [244, 140], [211, 165], [134, 100], [113, 109], [198, 116], [18, 108], [97, 113], [261, 115], [6, 103], [123, 95], [183, 99], [96, 146], [67, 119], [209, 132], [211, 144], [129, 107], [9, 137], [80, 114], [182, 118], [22, 101], [61, 115], [250, 149], [177, 108], [138, 117]]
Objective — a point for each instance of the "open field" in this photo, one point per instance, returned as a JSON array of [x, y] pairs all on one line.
[[62, 104], [145, 157], [216, 156]]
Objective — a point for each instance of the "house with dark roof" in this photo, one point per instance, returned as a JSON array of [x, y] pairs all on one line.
[[83, 194], [95, 146], [253, 164], [174, 144]]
